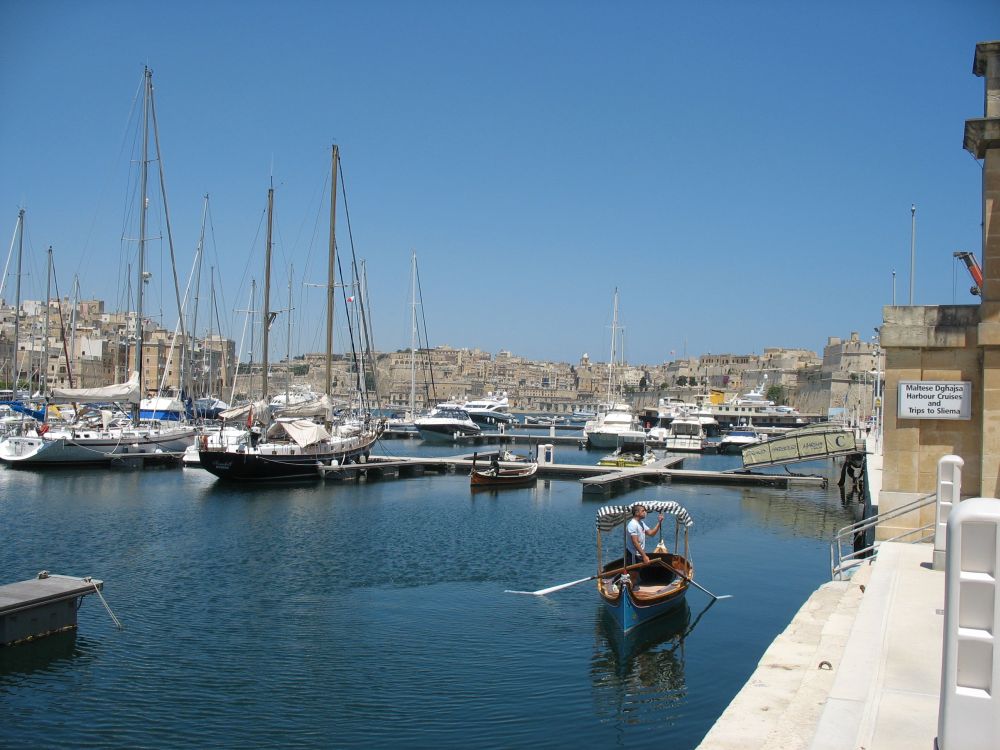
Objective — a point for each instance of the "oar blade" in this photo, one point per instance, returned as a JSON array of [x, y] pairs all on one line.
[[552, 589]]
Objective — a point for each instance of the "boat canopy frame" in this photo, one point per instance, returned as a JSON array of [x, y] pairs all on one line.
[[610, 517]]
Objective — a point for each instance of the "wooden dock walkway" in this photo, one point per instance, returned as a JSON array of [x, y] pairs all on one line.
[[595, 480]]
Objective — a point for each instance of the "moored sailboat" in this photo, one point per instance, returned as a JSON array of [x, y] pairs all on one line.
[[91, 442], [292, 447]]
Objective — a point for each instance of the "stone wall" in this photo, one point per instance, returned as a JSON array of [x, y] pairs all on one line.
[[928, 343]]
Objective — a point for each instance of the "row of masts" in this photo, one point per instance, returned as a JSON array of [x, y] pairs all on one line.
[[16, 363], [187, 357]]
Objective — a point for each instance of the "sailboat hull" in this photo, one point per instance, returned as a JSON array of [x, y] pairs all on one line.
[[99, 449], [269, 462]]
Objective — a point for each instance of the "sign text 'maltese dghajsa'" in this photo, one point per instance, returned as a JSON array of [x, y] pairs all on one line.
[[935, 399]]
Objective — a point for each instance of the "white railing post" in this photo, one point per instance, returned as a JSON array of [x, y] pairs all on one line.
[[546, 454], [969, 710], [949, 493]]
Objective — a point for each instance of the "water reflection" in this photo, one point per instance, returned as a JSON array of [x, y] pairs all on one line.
[[639, 678], [41, 655]]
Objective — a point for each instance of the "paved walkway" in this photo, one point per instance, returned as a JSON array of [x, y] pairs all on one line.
[[840, 677]]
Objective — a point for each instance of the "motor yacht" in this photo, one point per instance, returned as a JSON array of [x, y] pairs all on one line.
[[610, 426], [445, 423], [489, 410], [686, 433], [745, 434]]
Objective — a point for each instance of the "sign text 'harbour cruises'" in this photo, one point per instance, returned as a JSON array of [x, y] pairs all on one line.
[[935, 399]]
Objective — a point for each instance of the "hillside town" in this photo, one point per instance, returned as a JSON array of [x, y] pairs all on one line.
[[85, 346]]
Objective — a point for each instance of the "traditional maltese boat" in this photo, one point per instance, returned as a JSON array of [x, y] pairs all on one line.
[[662, 582], [498, 475]]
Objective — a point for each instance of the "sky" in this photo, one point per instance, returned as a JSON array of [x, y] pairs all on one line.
[[743, 173]]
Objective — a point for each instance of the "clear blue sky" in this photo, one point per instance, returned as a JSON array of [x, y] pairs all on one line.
[[743, 172]]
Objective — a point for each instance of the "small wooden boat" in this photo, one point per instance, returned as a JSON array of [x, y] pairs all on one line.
[[664, 580], [498, 475]]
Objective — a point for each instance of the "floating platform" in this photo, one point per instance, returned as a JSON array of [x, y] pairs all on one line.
[[601, 480], [41, 606]]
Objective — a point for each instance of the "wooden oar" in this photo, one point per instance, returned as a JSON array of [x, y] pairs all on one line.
[[693, 582], [551, 589]]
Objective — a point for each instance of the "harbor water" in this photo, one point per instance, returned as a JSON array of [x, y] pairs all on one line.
[[348, 615]]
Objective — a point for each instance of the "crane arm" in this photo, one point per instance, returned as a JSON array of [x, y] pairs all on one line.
[[974, 270]]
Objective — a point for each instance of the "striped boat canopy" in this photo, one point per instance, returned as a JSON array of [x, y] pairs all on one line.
[[614, 515]]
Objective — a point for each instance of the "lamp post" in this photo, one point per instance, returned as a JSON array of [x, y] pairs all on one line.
[[913, 247], [877, 405]]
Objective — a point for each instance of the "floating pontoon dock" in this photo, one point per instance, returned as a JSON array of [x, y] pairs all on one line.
[[41, 606], [601, 480]]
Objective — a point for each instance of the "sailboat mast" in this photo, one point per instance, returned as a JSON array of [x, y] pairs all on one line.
[[144, 179], [413, 336], [614, 341], [239, 352], [208, 345], [288, 341], [197, 299], [75, 296], [43, 376], [267, 293], [331, 266], [17, 297]]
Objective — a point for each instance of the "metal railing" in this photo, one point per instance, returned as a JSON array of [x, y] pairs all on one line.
[[840, 562]]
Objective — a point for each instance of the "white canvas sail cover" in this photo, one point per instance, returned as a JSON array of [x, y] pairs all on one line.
[[303, 431], [261, 412], [317, 407], [119, 392]]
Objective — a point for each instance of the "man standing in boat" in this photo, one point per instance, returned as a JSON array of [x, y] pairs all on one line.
[[635, 543]]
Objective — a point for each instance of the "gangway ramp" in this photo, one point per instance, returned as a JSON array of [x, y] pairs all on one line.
[[806, 444]]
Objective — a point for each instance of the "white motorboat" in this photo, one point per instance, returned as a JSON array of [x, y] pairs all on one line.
[[611, 426], [740, 437], [445, 423], [491, 409], [686, 433]]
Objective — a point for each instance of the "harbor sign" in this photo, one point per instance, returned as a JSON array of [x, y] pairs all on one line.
[[935, 399]]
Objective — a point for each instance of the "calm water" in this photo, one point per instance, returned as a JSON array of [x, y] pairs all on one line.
[[349, 615]]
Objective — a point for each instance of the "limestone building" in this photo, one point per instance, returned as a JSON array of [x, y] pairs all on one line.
[[954, 345]]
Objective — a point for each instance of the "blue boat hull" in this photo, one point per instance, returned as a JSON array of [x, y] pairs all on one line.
[[630, 611]]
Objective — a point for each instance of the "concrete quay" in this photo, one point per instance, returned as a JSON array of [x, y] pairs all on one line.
[[839, 677]]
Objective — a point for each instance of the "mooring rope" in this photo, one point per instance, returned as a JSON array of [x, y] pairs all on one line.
[[105, 603]]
